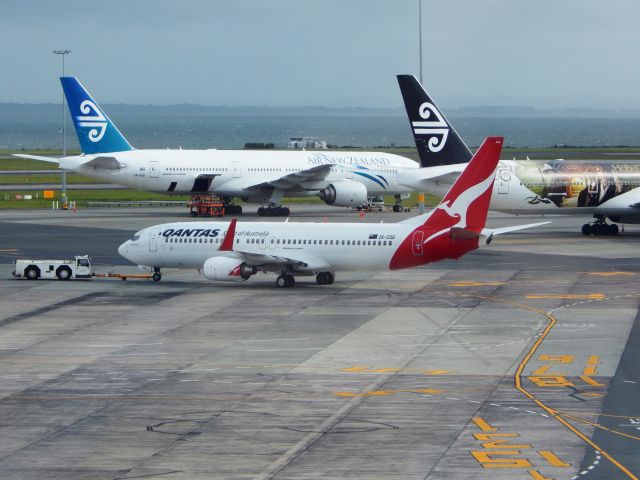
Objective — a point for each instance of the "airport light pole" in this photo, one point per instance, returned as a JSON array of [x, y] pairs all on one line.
[[420, 194], [63, 53], [420, 37]]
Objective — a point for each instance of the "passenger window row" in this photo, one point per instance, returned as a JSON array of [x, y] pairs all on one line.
[[285, 241], [199, 169], [191, 240]]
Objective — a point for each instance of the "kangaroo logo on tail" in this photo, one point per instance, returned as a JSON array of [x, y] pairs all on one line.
[[454, 227], [95, 122], [436, 130]]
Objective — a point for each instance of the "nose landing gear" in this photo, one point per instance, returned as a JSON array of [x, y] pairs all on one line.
[[600, 227], [157, 276]]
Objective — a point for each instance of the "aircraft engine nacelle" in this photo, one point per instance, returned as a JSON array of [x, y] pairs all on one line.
[[227, 269], [345, 193]]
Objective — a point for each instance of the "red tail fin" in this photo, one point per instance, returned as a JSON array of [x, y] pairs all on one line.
[[454, 227], [467, 203]]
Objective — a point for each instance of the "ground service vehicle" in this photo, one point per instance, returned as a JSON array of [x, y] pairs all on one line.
[[79, 267]]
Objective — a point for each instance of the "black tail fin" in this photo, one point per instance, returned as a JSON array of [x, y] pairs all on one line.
[[436, 140]]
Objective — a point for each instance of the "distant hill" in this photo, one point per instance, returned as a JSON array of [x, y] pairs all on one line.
[[47, 109]]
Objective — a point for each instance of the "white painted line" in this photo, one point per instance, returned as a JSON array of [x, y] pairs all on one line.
[[281, 339], [154, 379], [109, 345], [284, 349], [135, 354], [190, 380], [80, 374], [221, 381]]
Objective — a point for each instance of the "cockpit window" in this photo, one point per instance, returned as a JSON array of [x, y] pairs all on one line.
[[135, 238]]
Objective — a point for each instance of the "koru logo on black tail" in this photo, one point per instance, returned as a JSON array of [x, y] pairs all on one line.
[[436, 130]]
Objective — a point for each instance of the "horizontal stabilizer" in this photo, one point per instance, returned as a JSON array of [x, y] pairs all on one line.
[[104, 163], [417, 179], [37, 157], [499, 231]]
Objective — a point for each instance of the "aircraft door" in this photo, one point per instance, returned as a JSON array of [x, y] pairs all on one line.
[[154, 169], [153, 241], [236, 169], [503, 178], [416, 245], [271, 242]]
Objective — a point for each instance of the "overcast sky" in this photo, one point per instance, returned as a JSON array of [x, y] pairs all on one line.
[[543, 53]]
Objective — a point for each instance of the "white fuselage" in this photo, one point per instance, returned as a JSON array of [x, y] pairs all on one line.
[[245, 174], [320, 246]]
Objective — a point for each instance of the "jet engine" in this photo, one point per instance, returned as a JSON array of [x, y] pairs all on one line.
[[227, 269], [345, 193]]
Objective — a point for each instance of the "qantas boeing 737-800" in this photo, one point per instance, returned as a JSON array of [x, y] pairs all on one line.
[[236, 251], [338, 178]]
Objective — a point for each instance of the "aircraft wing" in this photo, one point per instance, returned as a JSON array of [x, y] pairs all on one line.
[[292, 180], [265, 261], [37, 157], [276, 262]]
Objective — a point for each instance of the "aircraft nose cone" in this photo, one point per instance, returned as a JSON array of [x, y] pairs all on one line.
[[123, 250]]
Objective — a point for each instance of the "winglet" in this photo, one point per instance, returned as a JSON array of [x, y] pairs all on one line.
[[227, 241]]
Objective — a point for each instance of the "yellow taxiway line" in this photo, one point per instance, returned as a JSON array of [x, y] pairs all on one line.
[[554, 413]]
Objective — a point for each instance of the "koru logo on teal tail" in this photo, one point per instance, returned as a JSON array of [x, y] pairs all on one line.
[[93, 118], [436, 129]]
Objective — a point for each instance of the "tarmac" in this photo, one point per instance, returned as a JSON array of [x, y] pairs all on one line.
[[518, 361]]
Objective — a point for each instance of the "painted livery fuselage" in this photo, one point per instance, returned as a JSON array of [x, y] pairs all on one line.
[[240, 173], [594, 187]]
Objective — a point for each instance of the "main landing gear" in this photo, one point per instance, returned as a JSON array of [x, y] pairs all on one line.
[[600, 227], [157, 276], [231, 209], [273, 211], [397, 207], [287, 280]]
